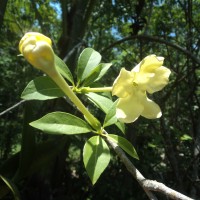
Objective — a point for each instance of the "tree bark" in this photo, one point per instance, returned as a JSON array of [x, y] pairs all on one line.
[[75, 19], [2, 11]]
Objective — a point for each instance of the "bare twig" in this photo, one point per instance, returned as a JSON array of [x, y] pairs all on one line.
[[154, 39], [72, 51], [12, 107], [160, 187], [147, 185]]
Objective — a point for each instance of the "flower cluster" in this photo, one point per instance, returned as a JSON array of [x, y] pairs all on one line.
[[132, 86]]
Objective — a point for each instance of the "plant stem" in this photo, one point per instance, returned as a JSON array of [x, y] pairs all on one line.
[[101, 89], [59, 80]]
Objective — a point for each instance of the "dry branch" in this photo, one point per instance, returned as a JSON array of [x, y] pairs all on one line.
[[146, 184], [157, 40]]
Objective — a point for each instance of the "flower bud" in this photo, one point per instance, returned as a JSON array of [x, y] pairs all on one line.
[[37, 50]]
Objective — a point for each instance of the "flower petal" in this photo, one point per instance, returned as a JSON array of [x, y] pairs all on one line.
[[150, 63], [129, 109], [159, 80], [37, 49], [34, 36], [123, 84], [151, 75], [151, 109]]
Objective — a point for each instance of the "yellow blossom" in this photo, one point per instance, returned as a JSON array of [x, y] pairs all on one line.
[[132, 86], [37, 50]]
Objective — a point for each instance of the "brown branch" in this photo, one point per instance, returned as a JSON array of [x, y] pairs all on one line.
[[154, 39], [147, 185]]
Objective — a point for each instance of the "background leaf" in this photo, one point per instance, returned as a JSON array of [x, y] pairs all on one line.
[[109, 33], [61, 123], [6, 185], [185, 137], [41, 88], [124, 144], [88, 60], [96, 157]]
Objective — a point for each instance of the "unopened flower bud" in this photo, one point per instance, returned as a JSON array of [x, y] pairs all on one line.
[[37, 50]]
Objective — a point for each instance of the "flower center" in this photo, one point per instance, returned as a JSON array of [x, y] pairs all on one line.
[[135, 84]]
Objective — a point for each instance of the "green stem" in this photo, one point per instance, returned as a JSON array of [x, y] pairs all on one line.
[[101, 89], [59, 80]]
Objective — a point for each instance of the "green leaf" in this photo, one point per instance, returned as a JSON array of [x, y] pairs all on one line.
[[5, 186], [185, 137], [121, 126], [105, 67], [96, 157], [111, 116], [105, 105], [41, 88], [100, 101], [124, 144], [152, 145], [96, 74], [61, 123], [63, 69], [88, 60]]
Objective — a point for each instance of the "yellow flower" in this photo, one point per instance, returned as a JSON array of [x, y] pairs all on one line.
[[131, 88], [37, 50]]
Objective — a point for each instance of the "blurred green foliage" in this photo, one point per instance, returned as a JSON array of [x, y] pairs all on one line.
[[51, 167]]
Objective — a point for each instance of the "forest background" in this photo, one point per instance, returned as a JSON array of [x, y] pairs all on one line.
[[124, 32]]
